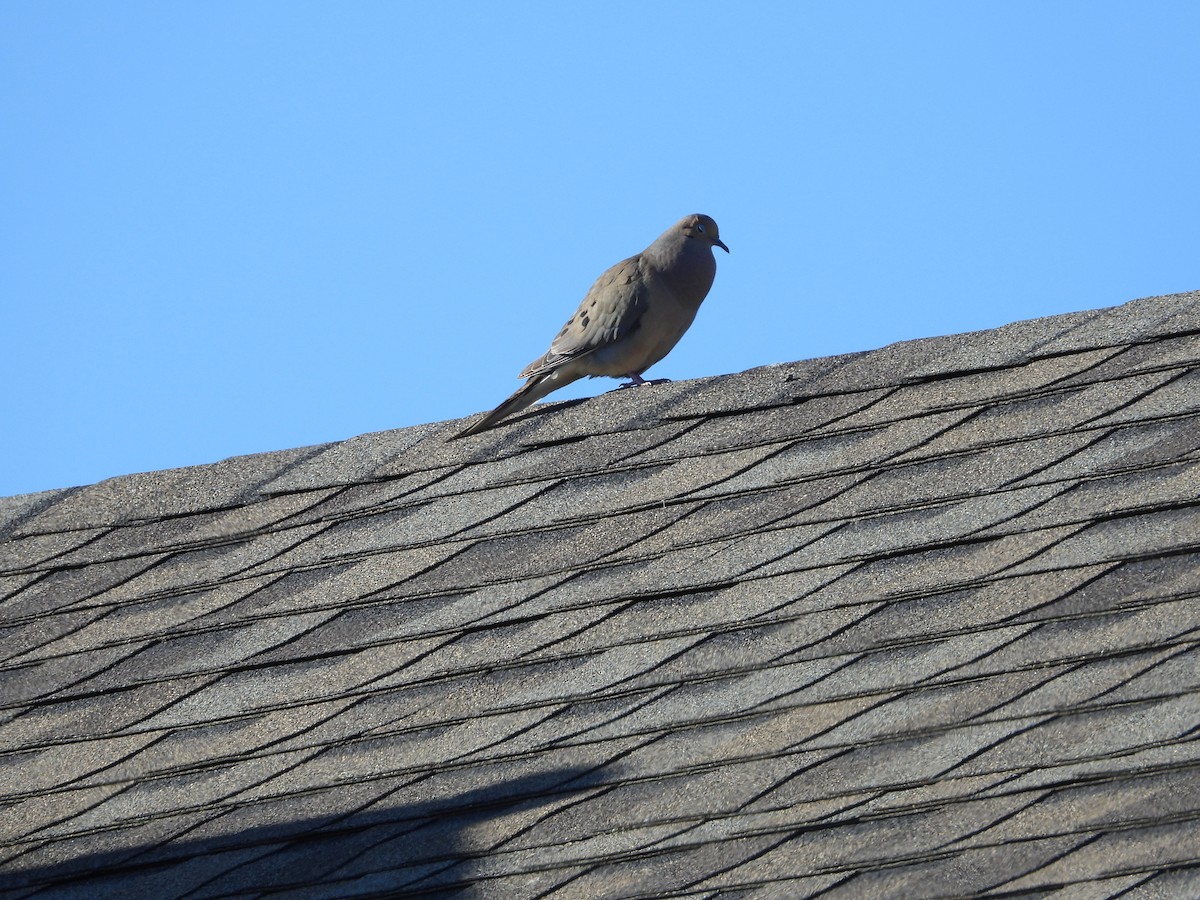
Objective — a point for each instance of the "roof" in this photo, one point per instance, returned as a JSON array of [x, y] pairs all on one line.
[[920, 621]]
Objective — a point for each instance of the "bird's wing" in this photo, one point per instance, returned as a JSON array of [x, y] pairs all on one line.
[[611, 310]]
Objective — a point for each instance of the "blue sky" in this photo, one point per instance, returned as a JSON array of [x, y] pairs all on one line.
[[234, 227]]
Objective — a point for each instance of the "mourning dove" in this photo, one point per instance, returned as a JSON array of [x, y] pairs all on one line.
[[630, 318]]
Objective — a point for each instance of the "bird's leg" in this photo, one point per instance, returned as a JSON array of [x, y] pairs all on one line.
[[636, 380]]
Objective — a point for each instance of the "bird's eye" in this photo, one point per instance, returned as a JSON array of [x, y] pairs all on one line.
[[700, 228]]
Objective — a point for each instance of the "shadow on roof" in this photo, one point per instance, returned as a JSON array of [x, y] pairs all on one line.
[[415, 849]]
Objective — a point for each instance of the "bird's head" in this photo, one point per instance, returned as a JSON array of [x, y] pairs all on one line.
[[703, 228]]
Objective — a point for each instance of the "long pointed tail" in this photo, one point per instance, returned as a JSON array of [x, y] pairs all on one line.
[[533, 390]]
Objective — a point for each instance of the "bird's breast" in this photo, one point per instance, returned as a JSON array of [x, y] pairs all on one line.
[[658, 331]]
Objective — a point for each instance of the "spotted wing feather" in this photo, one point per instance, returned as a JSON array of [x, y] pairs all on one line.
[[611, 310]]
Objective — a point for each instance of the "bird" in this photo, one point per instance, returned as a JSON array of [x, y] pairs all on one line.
[[631, 318]]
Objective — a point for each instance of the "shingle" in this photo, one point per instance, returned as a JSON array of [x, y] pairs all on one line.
[[1172, 671], [333, 504], [185, 570], [189, 875], [171, 750], [1123, 537], [710, 521], [1138, 320], [14, 510], [30, 815], [687, 797], [963, 873], [910, 361], [723, 740], [36, 551], [756, 427], [494, 602], [662, 872], [925, 709], [376, 627], [758, 598], [1127, 447], [1105, 497], [757, 388], [966, 390], [1111, 586], [588, 497], [1179, 396], [345, 462], [86, 855], [259, 645], [1078, 684], [28, 639], [535, 553], [1163, 353], [1052, 413], [514, 639], [708, 700], [704, 613], [150, 798], [38, 680], [613, 411], [823, 455], [572, 677], [11, 585], [136, 623], [154, 495], [330, 586], [1093, 637], [372, 559], [433, 521], [957, 611], [885, 534], [1163, 885], [569, 861], [909, 665], [321, 722], [1090, 806], [265, 819], [56, 766], [1055, 774], [589, 453], [1090, 735], [252, 689], [1118, 852], [690, 570], [977, 472], [940, 569], [48, 722], [199, 530], [63, 589]]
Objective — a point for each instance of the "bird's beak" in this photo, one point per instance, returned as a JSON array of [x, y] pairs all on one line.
[[719, 243]]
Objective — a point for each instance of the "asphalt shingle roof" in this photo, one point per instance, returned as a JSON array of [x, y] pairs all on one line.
[[916, 622]]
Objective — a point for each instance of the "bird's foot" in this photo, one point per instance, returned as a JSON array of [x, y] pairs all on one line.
[[638, 381]]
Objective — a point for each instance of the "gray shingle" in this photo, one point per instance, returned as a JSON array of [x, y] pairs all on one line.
[[158, 495]]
